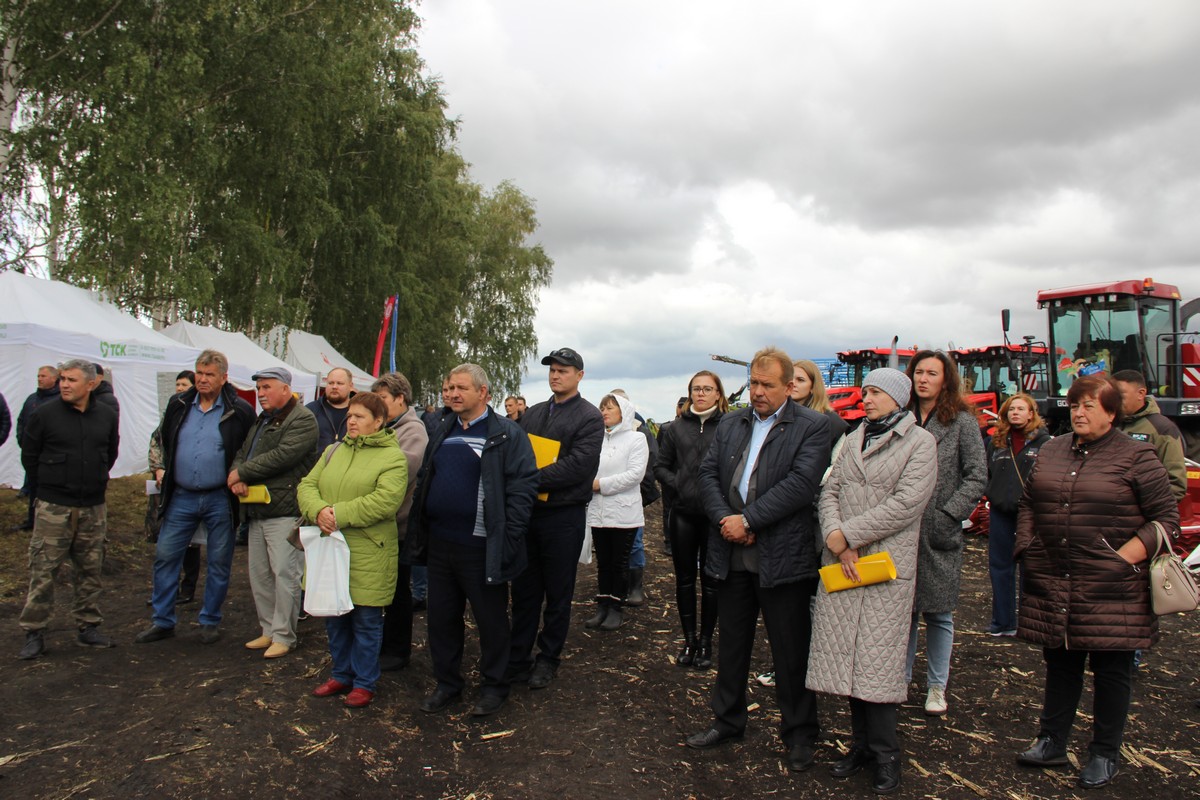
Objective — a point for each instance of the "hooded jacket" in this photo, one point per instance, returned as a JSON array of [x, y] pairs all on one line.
[[1148, 425], [1084, 501], [509, 477], [623, 458], [364, 478]]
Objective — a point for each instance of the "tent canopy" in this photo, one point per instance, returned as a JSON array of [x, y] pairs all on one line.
[[48, 322], [245, 357], [313, 353]]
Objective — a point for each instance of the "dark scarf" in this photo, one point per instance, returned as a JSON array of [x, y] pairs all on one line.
[[874, 429]]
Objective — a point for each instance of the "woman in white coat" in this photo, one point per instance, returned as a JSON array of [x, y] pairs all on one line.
[[872, 502], [615, 512]]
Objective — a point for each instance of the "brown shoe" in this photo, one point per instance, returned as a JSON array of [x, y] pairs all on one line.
[[261, 643], [276, 650]]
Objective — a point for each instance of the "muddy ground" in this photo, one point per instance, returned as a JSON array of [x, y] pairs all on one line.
[[181, 719]]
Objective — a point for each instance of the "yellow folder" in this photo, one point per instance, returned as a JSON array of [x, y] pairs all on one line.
[[256, 494], [545, 452], [875, 568]]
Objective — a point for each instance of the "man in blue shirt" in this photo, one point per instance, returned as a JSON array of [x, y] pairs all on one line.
[[202, 429]]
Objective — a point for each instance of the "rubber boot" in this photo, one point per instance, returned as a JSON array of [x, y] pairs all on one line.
[[597, 619], [637, 592], [703, 659], [614, 618]]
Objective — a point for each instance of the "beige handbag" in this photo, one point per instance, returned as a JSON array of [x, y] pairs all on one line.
[[1172, 585]]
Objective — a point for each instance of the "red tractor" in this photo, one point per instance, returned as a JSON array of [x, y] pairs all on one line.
[[846, 399]]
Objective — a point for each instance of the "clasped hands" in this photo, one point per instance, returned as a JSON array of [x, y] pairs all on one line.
[[732, 530], [236, 484], [846, 554]]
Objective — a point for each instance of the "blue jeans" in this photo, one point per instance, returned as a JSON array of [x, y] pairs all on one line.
[[354, 642], [186, 510], [1002, 536], [420, 583], [637, 556], [939, 642]]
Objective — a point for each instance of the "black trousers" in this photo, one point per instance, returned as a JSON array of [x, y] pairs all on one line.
[[689, 549], [612, 564], [874, 729], [457, 576], [787, 614], [553, 544], [398, 617], [1112, 676], [191, 570]]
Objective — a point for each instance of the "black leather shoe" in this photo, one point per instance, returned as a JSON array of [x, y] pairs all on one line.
[[438, 700], [183, 599], [542, 675], [852, 763], [154, 634], [90, 636], [887, 777], [35, 645], [703, 659], [517, 674], [209, 634], [1098, 772], [1044, 753], [710, 738], [488, 704], [800, 757], [595, 620], [687, 654], [392, 663]]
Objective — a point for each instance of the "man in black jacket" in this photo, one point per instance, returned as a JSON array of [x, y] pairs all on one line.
[[556, 527], [331, 409], [759, 484], [69, 447], [47, 390], [201, 431]]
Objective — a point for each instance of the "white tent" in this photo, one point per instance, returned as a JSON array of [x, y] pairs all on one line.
[[47, 322], [245, 357], [312, 353]]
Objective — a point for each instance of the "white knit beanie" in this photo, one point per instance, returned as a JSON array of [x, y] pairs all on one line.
[[892, 382]]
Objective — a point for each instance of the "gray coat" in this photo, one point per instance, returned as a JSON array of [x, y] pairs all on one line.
[[961, 478], [860, 636]]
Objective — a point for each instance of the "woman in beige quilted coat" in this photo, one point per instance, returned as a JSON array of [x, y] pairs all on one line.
[[873, 501]]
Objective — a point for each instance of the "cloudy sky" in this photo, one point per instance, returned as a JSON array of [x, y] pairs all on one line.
[[711, 177]]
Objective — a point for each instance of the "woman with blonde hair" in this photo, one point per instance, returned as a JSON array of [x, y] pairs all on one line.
[[808, 389], [1011, 454]]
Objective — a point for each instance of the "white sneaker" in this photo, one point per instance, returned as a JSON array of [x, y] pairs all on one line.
[[935, 701]]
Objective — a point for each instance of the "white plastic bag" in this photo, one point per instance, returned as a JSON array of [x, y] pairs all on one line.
[[327, 565], [585, 555]]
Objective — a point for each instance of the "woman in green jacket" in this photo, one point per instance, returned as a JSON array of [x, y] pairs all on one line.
[[356, 487]]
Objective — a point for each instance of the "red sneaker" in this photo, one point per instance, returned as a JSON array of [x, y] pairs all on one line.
[[359, 698], [330, 688]]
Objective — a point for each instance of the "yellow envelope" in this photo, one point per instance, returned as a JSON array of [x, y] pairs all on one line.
[[545, 452], [875, 568], [256, 494]]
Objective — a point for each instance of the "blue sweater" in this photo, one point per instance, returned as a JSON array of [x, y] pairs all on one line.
[[454, 505]]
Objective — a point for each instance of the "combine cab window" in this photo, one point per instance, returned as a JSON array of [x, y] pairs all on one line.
[[1108, 334]]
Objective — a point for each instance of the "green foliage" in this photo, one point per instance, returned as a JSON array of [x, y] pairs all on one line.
[[247, 164]]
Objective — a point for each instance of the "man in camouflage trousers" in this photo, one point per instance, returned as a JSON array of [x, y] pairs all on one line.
[[69, 446]]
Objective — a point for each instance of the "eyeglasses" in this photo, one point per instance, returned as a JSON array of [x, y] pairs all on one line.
[[704, 389]]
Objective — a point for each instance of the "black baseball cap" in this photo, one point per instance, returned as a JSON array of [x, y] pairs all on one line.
[[565, 356]]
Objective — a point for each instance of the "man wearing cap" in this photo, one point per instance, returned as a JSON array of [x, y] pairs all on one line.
[[545, 588], [759, 483], [277, 453], [200, 433]]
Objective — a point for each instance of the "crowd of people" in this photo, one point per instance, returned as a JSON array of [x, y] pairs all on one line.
[[762, 504]]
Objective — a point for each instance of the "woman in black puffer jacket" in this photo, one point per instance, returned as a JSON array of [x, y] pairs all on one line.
[[1011, 453], [682, 449]]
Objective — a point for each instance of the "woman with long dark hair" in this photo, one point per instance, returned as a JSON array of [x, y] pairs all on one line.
[[940, 408], [1011, 452], [680, 453]]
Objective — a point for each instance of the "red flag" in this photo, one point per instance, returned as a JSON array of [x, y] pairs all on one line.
[[388, 305]]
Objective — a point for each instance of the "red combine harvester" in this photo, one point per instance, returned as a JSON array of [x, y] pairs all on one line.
[[1137, 325], [992, 374], [847, 400]]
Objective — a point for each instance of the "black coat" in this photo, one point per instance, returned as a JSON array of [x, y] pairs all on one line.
[[32, 402], [1008, 472], [67, 453], [235, 424], [793, 458], [579, 429], [680, 453], [5, 420]]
